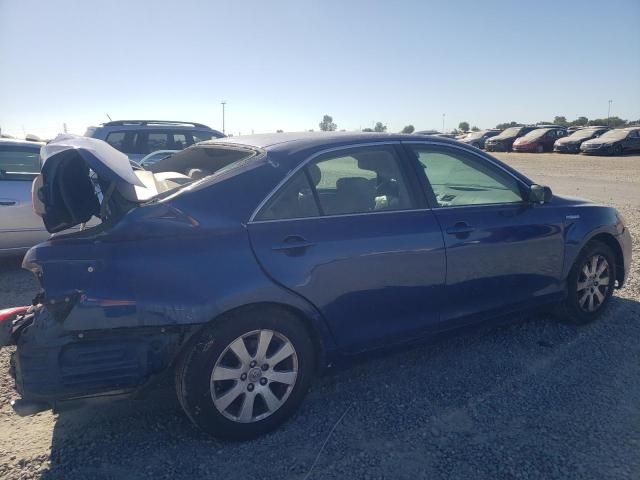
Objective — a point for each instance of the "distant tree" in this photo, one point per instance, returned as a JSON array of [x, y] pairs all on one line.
[[279, 131], [327, 125], [614, 122], [463, 126], [343, 129], [475, 129], [560, 120], [311, 130], [580, 122], [408, 129], [367, 129], [502, 126], [379, 127]]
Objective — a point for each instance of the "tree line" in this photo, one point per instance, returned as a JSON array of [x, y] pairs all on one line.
[[328, 125]]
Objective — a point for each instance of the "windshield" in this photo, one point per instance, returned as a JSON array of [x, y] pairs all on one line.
[[614, 135], [532, 135], [509, 132], [474, 135], [582, 134]]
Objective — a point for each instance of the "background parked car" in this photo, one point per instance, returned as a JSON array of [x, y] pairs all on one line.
[[478, 139], [539, 140], [503, 142], [138, 138], [613, 142], [572, 142], [20, 228], [156, 157]]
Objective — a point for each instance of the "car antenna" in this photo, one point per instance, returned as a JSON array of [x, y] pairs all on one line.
[[108, 117]]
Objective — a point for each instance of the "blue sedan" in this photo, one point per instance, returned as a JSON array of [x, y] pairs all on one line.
[[282, 255]]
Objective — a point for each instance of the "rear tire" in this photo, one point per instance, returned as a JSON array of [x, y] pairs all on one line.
[[238, 396], [590, 284], [540, 149]]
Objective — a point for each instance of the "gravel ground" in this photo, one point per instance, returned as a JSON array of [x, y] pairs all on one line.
[[535, 399]]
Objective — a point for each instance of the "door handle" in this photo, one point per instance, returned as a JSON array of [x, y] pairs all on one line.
[[460, 228], [7, 203], [293, 243]]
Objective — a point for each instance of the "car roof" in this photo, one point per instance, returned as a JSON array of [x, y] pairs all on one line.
[[15, 142], [296, 141]]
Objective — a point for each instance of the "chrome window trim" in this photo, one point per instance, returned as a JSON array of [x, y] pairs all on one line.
[[340, 215], [475, 154], [302, 164]]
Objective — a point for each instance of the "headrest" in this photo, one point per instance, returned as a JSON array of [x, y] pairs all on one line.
[[377, 161]]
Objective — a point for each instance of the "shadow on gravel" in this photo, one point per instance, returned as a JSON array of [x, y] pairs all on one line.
[[538, 399]]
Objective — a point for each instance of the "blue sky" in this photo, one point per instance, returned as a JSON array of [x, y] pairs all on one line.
[[283, 64]]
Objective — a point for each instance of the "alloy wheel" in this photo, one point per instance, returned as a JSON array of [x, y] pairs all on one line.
[[254, 376], [593, 283]]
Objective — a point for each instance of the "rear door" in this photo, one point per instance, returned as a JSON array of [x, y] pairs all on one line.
[[20, 227], [351, 232], [503, 252]]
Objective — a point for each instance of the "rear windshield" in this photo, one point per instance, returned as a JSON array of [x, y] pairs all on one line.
[[211, 164]]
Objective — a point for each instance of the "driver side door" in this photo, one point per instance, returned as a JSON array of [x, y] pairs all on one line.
[[503, 252]]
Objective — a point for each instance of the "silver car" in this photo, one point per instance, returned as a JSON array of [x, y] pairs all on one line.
[[20, 227]]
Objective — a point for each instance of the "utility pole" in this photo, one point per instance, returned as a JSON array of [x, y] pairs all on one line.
[[443, 115], [223, 103], [609, 112]]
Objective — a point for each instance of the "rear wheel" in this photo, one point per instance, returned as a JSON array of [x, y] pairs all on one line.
[[590, 284], [246, 374], [540, 149]]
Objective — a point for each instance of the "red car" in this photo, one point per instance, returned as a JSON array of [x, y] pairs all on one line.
[[539, 140]]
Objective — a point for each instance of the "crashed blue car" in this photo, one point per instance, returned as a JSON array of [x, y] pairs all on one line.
[[246, 266]]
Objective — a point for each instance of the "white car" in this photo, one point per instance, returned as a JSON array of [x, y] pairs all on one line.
[[20, 227]]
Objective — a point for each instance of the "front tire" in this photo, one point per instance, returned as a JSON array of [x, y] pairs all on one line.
[[617, 150], [590, 284], [246, 374]]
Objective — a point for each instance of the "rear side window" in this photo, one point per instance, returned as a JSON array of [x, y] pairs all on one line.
[[365, 180], [157, 141], [116, 140], [126, 142], [17, 163]]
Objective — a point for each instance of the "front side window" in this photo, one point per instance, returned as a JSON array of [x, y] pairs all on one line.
[[355, 181], [18, 162], [457, 179]]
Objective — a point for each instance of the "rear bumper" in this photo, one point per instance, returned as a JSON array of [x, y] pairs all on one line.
[[51, 364]]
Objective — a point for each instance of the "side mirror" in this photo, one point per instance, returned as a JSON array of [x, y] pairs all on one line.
[[539, 194]]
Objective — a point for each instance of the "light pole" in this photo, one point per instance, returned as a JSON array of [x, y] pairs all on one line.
[[609, 112], [443, 115], [223, 103]]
